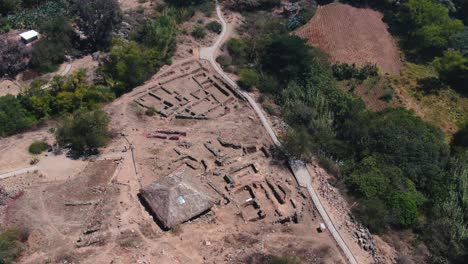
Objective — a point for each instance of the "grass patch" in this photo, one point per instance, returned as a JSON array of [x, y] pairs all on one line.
[[434, 102]]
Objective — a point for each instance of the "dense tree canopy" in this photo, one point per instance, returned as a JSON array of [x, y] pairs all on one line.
[[453, 70], [97, 20], [13, 56], [9, 6], [128, 65], [84, 131], [429, 26], [287, 58], [402, 139], [58, 39], [13, 117]]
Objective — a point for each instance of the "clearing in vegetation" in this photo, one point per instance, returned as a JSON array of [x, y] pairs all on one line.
[[352, 35]]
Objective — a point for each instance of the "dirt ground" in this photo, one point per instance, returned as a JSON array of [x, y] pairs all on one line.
[[353, 35], [89, 211], [9, 87]]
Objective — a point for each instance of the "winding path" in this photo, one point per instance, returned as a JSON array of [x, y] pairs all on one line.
[[298, 168]]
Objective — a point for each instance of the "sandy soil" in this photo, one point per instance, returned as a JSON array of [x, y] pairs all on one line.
[[9, 87], [353, 35]]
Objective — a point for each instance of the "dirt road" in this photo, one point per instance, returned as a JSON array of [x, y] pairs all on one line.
[[299, 169]]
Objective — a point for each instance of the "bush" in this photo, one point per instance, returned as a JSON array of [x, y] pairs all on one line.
[[460, 140], [37, 147], [248, 79], [345, 71], [224, 60], [238, 50], [84, 131], [198, 32], [57, 42], [97, 19], [453, 70], [387, 95], [12, 58], [128, 65], [13, 116], [9, 7], [151, 111], [10, 246], [429, 26], [251, 5], [215, 27]]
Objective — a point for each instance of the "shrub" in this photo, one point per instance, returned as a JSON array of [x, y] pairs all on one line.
[[97, 19], [198, 32], [10, 246], [215, 27], [251, 5], [12, 58], [453, 70], [270, 109], [58, 40], [151, 111], [248, 79], [128, 65], [13, 116], [345, 71], [37, 147], [429, 26], [224, 60], [387, 95]]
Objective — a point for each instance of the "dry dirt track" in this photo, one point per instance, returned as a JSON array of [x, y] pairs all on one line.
[[300, 171]]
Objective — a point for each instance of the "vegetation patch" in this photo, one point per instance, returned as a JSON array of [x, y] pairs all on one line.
[[37, 147]]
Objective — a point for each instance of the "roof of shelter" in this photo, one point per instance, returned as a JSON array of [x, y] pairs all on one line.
[[176, 198]]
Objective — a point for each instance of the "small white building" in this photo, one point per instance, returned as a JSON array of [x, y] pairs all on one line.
[[29, 36]]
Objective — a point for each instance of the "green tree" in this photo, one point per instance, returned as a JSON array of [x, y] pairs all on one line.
[[404, 207], [238, 50], [97, 19], [447, 231], [400, 138], [198, 32], [57, 41], [160, 35], [8, 7], [453, 70], [460, 41], [10, 246], [429, 24], [13, 117], [299, 143], [12, 58], [128, 65], [287, 58], [373, 214], [248, 78], [460, 140], [214, 26], [368, 180], [84, 130]]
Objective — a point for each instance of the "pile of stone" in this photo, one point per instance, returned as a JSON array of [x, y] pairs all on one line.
[[365, 240]]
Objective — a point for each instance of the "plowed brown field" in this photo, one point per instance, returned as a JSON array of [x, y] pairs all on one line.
[[352, 35]]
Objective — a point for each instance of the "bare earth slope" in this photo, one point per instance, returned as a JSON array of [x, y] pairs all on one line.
[[352, 35]]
